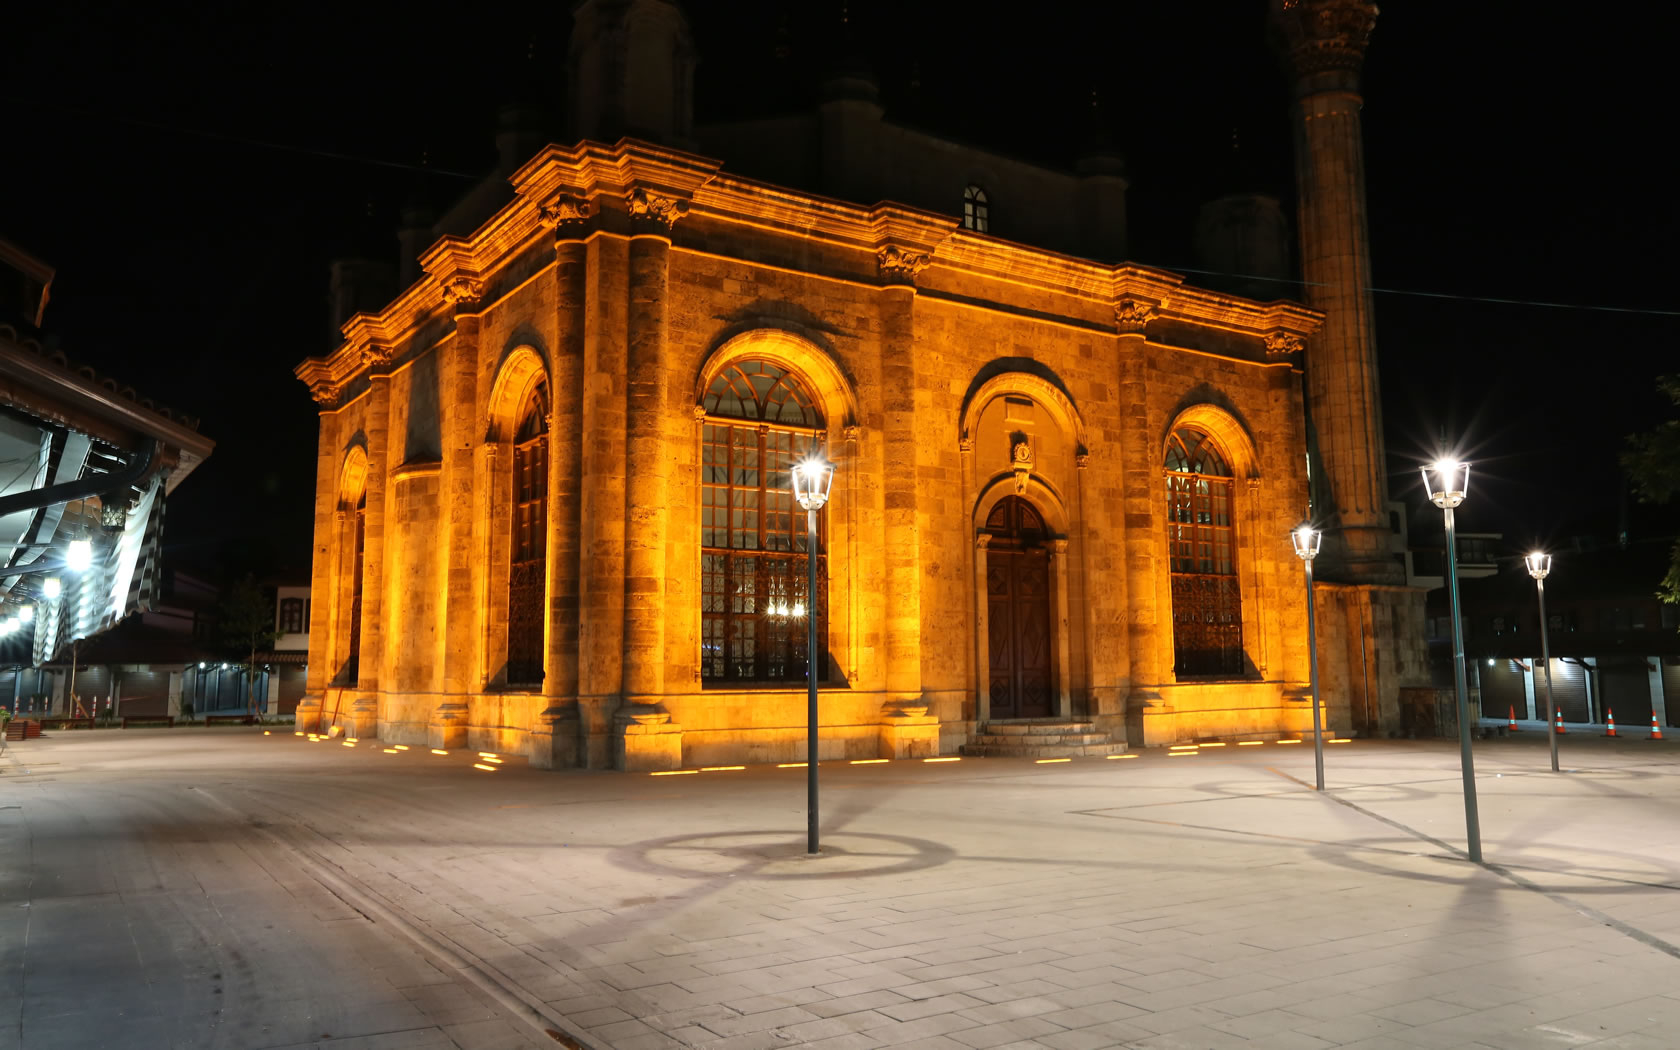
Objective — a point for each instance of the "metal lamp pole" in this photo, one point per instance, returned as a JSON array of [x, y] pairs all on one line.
[[811, 480], [1446, 490], [1539, 567], [1306, 540]]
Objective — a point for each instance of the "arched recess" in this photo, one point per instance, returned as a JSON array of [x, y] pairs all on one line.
[[794, 353], [1025, 384], [1228, 432], [349, 541], [514, 473]]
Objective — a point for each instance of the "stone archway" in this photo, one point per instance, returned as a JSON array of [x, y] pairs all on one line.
[[1020, 634]]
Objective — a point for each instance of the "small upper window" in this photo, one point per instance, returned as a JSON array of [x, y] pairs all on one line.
[[291, 616], [975, 211]]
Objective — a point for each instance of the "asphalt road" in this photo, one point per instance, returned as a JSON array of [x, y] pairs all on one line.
[[198, 888]]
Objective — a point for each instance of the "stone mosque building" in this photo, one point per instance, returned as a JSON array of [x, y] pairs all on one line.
[[553, 514]]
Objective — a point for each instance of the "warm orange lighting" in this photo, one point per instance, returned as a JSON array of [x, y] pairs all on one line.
[[1289, 741], [481, 765], [298, 733], [953, 759], [673, 772], [488, 754], [347, 743], [390, 751], [1341, 740], [1113, 757], [494, 761], [791, 765], [1250, 743], [439, 751], [1184, 747], [351, 739], [867, 761], [1047, 761], [265, 732], [1182, 754], [333, 731], [1216, 743], [719, 769], [400, 747]]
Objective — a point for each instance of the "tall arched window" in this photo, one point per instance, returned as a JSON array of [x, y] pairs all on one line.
[[975, 210], [1207, 606], [527, 571], [760, 420], [353, 662]]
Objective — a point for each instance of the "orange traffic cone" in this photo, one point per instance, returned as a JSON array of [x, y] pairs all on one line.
[[1610, 722], [1656, 730], [1513, 711], [1560, 730]]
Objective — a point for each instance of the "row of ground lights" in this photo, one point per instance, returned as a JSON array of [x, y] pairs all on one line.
[[488, 761], [1177, 751]]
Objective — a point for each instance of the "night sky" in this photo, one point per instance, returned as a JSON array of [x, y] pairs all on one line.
[[191, 170]]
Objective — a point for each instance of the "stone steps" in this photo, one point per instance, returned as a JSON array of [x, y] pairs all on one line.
[[1041, 740]]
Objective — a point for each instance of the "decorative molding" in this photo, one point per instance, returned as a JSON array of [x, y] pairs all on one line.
[[1133, 315], [376, 355], [1081, 460], [565, 210], [982, 540], [1281, 342], [326, 392], [462, 290], [1324, 36], [653, 211], [900, 265], [699, 413], [965, 443], [850, 433]]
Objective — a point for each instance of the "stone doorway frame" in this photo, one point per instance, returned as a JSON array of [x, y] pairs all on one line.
[[1049, 506]]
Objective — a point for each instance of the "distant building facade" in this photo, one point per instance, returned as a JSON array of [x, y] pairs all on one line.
[[552, 506]]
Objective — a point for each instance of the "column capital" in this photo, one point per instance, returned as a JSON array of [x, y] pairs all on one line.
[[982, 540], [653, 213], [899, 265], [1317, 37], [1132, 316], [567, 214], [1281, 342], [462, 290]]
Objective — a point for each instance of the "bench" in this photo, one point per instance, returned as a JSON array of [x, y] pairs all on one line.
[[128, 720], [229, 720], [22, 728], [68, 722]]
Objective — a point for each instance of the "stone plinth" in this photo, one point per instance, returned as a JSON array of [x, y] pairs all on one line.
[[308, 715], [553, 740], [643, 745], [447, 728], [362, 718], [908, 731]]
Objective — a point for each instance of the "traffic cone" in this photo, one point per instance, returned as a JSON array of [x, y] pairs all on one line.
[[1610, 722], [1560, 730], [1656, 730], [1513, 711]]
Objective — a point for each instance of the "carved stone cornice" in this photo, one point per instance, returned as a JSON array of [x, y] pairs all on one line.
[[1133, 315], [462, 290], [1323, 36], [653, 212], [566, 213], [325, 392], [1283, 343], [375, 355], [900, 265]]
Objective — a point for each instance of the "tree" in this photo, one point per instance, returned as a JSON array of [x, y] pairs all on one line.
[[1652, 461], [247, 617]]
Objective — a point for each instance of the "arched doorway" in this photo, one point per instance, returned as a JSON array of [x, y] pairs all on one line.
[[1020, 680]]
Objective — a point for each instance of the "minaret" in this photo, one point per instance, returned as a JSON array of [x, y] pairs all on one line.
[[1323, 46]]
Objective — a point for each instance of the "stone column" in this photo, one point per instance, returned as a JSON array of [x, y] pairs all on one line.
[[322, 558], [458, 660], [1148, 591], [555, 736], [901, 527], [364, 709], [982, 636], [1064, 663], [1323, 45]]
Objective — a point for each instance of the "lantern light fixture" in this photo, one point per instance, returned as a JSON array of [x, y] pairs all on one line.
[[1447, 481], [1307, 541], [812, 478], [51, 588], [1539, 564], [27, 613]]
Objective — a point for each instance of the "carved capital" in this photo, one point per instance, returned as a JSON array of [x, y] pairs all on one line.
[[1133, 315], [965, 443], [462, 290], [1323, 36], [1058, 548], [900, 266], [565, 213], [651, 211], [850, 434], [1081, 460], [376, 356], [982, 541], [1283, 343], [326, 392], [699, 413]]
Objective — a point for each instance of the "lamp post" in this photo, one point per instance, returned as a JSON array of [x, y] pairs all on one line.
[[1447, 481], [811, 480], [1539, 567], [1306, 540]]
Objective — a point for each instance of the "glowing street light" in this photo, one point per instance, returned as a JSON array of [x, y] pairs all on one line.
[[78, 557], [1447, 482], [51, 588], [811, 481], [1307, 540], [27, 613], [1539, 567]]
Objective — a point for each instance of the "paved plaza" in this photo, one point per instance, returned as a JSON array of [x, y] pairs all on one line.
[[222, 888]]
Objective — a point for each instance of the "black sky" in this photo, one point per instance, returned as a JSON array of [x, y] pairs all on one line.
[[191, 169]]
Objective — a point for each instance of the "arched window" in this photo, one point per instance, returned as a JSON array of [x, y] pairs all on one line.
[[760, 420], [527, 571], [353, 662], [975, 210], [1207, 606]]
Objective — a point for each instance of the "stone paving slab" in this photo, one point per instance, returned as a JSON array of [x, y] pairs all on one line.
[[1207, 901]]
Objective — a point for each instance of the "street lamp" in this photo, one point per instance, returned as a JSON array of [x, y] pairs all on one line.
[[1447, 481], [1306, 540], [78, 556], [51, 588], [1539, 567], [811, 481]]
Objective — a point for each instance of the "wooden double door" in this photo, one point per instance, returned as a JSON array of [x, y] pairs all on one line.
[[1019, 642]]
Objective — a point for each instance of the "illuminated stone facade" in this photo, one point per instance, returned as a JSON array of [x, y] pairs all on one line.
[[943, 371]]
